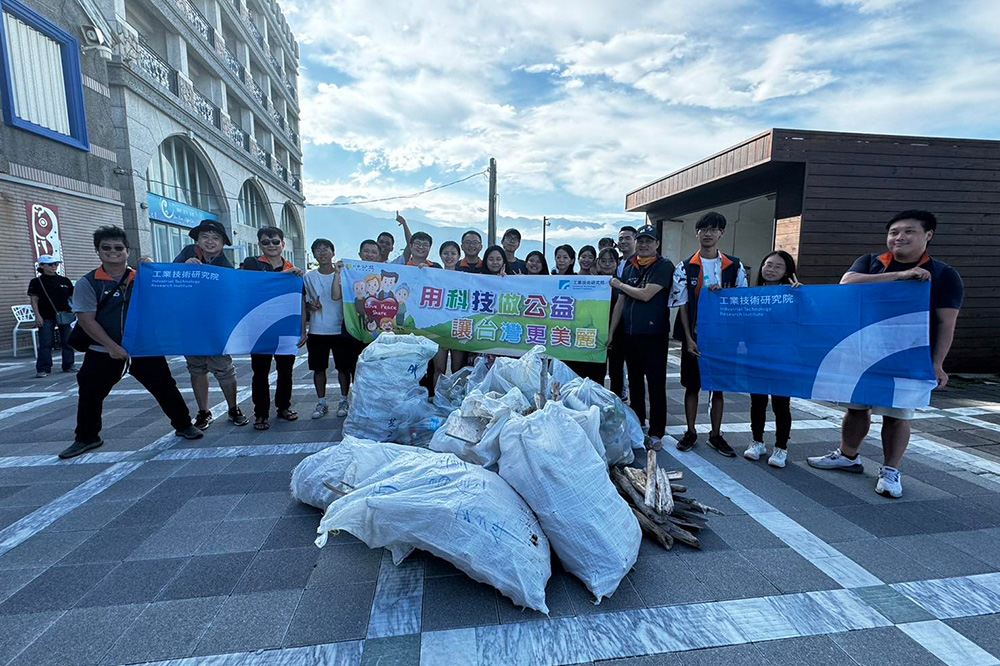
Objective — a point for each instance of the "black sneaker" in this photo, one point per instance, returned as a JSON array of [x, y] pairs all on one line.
[[719, 443], [237, 417], [190, 432], [687, 442], [203, 420], [78, 447]]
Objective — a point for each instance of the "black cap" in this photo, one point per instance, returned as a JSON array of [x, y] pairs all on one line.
[[647, 230], [210, 225]]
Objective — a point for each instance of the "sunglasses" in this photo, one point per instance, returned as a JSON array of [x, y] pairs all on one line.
[[112, 248], [269, 241]]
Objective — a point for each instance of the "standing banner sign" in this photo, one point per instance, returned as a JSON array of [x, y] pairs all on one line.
[[43, 225], [199, 310], [569, 315], [865, 344]]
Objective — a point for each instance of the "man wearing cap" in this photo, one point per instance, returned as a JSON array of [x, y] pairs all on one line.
[[643, 311], [210, 238], [50, 295]]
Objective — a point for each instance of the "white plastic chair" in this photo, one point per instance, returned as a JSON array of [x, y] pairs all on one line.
[[25, 315]]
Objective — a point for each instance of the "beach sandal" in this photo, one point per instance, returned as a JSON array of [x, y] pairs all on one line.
[[288, 414], [260, 423]]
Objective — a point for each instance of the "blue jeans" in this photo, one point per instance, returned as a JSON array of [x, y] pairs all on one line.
[[47, 339]]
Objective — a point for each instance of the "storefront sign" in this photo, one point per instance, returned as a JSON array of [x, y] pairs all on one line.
[[167, 210]]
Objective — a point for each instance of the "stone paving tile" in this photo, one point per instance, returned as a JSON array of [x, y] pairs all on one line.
[[813, 650], [330, 614], [557, 598], [941, 559], [341, 563], [884, 646], [37, 494], [983, 630], [454, 602], [132, 583], [90, 516], [892, 605], [729, 576], [80, 637], [624, 598], [741, 655], [788, 571], [43, 549], [207, 576], [165, 630], [668, 580], [13, 514], [884, 561], [19, 631], [13, 580], [395, 651], [58, 588], [984, 545], [205, 509], [286, 569], [830, 527], [249, 622], [129, 488], [261, 505], [743, 532], [109, 545], [292, 532], [237, 536], [173, 540], [229, 484]]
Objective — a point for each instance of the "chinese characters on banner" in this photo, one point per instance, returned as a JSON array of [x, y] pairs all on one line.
[[43, 226], [480, 313]]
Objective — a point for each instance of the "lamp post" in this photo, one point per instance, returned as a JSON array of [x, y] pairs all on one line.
[[545, 223]]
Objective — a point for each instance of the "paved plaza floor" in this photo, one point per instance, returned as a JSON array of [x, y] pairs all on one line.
[[153, 549]]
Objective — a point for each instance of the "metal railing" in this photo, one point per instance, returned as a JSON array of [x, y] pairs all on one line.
[[197, 20], [297, 183], [238, 137], [206, 109], [149, 63], [281, 171], [291, 89], [257, 92], [253, 29], [260, 155], [234, 65], [275, 63]]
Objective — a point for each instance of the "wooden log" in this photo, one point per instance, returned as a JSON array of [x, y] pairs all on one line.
[[665, 493], [658, 534], [632, 496], [683, 536], [650, 498]]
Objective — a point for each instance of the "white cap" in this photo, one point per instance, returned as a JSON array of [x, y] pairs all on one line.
[[48, 259]]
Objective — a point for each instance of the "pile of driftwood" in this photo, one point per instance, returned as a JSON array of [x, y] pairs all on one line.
[[664, 512]]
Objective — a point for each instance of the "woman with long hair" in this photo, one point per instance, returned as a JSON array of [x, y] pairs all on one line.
[[587, 256], [777, 268], [535, 264], [450, 254], [495, 261], [565, 259]]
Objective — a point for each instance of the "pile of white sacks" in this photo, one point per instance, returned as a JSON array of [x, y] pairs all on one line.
[[502, 483]]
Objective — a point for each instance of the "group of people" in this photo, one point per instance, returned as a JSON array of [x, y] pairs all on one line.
[[645, 287]]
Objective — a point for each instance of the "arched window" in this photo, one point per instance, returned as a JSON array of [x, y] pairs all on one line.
[[181, 194], [252, 209], [290, 226]]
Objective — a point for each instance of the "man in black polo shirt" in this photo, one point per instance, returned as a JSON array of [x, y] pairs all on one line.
[[101, 299], [210, 239], [272, 244], [908, 234], [644, 312]]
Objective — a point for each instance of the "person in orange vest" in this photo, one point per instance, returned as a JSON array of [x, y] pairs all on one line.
[[708, 269]]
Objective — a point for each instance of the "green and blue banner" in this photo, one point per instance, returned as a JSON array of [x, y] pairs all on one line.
[[199, 310], [866, 344], [507, 316]]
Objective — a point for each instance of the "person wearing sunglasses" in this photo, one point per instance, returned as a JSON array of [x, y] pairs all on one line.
[[100, 301], [272, 243]]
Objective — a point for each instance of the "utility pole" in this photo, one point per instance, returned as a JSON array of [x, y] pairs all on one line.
[[492, 226], [545, 223]]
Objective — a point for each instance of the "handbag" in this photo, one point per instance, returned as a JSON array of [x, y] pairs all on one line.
[[62, 318], [79, 339]]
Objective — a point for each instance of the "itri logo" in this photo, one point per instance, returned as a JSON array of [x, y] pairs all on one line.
[[565, 284]]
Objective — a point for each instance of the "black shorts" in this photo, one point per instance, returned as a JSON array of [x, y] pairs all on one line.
[[344, 348], [690, 372]]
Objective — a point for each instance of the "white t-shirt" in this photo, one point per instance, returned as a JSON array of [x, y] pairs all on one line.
[[330, 317], [711, 274]]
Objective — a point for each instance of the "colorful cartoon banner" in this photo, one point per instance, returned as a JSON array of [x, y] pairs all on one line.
[[507, 316], [199, 310], [866, 344]]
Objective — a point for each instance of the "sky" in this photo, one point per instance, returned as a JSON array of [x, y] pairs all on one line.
[[583, 101]]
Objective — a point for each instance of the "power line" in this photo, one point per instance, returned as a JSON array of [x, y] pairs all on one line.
[[135, 172]]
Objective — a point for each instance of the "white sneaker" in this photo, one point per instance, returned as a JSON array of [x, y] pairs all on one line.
[[888, 484], [836, 460], [342, 408], [755, 451], [777, 458], [321, 409]]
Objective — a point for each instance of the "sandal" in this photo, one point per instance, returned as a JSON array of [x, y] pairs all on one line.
[[260, 423], [288, 414]]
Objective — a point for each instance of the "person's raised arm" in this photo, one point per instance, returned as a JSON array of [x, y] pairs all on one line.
[[946, 318], [917, 273], [337, 291], [643, 294]]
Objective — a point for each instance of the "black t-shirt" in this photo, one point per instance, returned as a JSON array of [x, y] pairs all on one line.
[[58, 288], [516, 267], [947, 289], [192, 251], [650, 317]]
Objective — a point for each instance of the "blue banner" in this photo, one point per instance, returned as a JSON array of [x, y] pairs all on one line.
[[198, 310], [866, 344], [175, 212]]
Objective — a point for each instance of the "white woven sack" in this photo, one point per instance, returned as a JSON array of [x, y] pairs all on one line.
[[404, 497], [386, 403], [547, 459], [493, 406]]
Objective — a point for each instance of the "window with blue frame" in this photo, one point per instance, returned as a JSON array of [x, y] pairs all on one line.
[[41, 85]]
